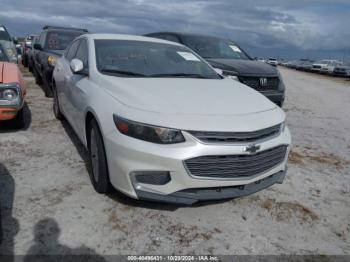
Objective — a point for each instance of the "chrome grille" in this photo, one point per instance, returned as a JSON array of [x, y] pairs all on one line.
[[235, 166], [254, 82], [236, 137]]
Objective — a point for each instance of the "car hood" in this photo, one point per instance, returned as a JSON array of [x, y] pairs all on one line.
[[187, 96], [244, 67]]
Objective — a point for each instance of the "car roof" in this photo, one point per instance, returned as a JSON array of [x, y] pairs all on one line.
[[50, 27], [128, 37], [186, 34]]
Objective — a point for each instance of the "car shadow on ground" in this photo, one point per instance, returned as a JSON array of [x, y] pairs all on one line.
[[116, 195], [8, 127], [46, 246], [9, 226]]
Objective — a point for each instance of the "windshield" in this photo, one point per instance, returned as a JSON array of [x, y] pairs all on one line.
[[212, 47], [59, 40], [129, 58], [4, 35], [3, 57]]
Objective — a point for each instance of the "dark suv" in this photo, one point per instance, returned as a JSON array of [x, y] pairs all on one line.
[[51, 44], [226, 55]]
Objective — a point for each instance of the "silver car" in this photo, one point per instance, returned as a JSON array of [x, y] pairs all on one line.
[[161, 124]]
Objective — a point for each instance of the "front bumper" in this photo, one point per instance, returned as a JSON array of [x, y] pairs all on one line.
[[8, 113], [127, 155], [191, 196]]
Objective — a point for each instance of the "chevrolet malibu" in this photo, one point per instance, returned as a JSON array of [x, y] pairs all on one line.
[[161, 124]]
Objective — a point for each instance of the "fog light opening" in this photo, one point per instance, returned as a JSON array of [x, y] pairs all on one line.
[[151, 177]]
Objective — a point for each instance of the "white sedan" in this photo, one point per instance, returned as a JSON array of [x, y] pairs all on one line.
[[161, 124]]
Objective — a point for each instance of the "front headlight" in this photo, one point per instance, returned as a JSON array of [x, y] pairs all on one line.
[[149, 133], [10, 94], [51, 60], [230, 74]]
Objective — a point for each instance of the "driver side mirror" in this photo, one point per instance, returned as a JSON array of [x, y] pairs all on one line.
[[38, 46], [76, 65], [15, 40]]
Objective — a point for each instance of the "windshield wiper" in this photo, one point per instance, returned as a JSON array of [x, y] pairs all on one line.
[[179, 75], [122, 72]]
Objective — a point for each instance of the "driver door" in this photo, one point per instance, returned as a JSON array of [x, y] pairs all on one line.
[[77, 91]]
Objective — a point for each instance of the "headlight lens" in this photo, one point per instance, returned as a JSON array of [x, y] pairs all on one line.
[[10, 94], [230, 74], [149, 133], [52, 60]]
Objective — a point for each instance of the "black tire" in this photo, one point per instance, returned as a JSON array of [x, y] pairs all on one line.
[[19, 121], [47, 88], [37, 77], [56, 105], [25, 61], [98, 162], [30, 67]]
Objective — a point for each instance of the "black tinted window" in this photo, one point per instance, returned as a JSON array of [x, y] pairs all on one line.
[[82, 53], [212, 47], [72, 50], [172, 38], [59, 40], [3, 57]]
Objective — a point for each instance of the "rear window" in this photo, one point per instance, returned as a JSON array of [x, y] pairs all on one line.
[[4, 35], [59, 40]]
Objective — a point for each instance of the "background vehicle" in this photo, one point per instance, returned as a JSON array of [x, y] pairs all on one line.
[[156, 126], [305, 66], [319, 65], [51, 44], [31, 54], [8, 45], [27, 47], [12, 91], [272, 61], [342, 70], [234, 61], [329, 68]]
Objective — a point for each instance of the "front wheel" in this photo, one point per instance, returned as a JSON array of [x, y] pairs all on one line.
[[19, 121], [56, 105], [97, 155], [37, 77]]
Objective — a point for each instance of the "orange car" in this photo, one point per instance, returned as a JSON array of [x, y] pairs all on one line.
[[12, 92]]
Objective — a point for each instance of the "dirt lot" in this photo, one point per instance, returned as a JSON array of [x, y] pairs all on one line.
[[49, 205]]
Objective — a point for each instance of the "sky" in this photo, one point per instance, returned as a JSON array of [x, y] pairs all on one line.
[[270, 28]]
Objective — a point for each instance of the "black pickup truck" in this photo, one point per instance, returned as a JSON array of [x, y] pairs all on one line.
[[50, 46]]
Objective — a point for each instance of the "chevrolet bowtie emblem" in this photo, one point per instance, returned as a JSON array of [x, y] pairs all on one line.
[[252, 149]]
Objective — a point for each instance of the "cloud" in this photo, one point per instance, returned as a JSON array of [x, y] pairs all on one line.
[[298, 24]]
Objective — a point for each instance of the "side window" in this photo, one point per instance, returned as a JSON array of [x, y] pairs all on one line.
[[41, 39], [72, 50], [82, 53]]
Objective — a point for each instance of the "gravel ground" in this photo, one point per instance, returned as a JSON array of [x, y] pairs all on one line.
[[49, 205]]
